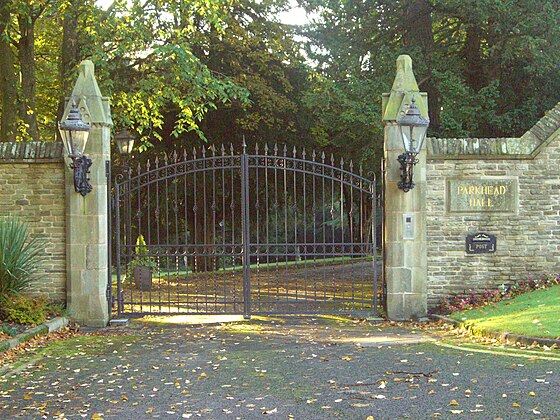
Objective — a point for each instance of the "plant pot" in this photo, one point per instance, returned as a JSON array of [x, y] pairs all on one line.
[[142, 277]]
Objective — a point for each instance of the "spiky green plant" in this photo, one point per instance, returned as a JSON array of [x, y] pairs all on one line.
[[20, 256]]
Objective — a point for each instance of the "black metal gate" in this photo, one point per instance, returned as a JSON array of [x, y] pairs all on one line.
[[217, 231]]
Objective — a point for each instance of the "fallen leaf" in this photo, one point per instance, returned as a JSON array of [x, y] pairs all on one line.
[[453, 402]]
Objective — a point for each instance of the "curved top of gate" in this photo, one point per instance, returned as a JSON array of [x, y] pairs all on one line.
[[176, 166]]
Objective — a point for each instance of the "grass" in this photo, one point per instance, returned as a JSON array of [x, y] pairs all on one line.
[[535, 314]]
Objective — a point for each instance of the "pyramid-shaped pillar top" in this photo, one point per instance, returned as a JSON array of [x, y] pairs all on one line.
[[404, 89], [94, 107]]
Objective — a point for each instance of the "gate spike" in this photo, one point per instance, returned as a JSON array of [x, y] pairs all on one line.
[[213, 148], [194, 152], [313, 155], [231, 149], [244, 145], [147, 166], [203, 151], [223, 150], [165, 159], [323, 157], [275, 149], [332, 159], [285, 150], [294, 151], [156, 161], [256, 148], [266, 148], [351, 165], [361, 170], [303, 154], [175, 156], [341, 162], [185, 155]]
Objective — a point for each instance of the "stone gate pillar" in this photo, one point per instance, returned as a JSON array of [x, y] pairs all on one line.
[[86, 217], [404, 241]]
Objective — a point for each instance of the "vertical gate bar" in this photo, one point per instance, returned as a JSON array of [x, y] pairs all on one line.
[[304, 235], [204, 262], [333, 242], [131, 250], [195, 229], [109, 242], [120, 308], [323, 221], [176, 241], [267, 227], [351, 232], [362, 221], [186, 223], [223, 224], [158, 225], [148, 235], [294, 206], [127, 233], [214, 229], [276, 245], [342, 216], [374, 240], [245, 230], [167, 239], [257, 226], [314, 209], [285, 244], [233, 243]]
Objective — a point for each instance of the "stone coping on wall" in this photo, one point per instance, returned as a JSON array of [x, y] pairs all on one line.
[[527, 146], [35, 151]]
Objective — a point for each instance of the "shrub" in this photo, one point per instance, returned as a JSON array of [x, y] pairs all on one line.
[[473, 299], [20, 256], [8, 330], [26, 310]]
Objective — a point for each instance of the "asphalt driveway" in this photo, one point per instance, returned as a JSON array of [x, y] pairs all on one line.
[[289, 367]]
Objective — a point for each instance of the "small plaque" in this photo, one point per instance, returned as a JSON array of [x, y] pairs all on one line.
[[481, 243]]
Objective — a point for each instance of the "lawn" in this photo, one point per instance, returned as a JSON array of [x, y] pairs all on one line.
[[534, 314]]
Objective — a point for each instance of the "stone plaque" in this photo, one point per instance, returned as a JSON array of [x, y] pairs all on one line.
[[481, 195], [481, 243]]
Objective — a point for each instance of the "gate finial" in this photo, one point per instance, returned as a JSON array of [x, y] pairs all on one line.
[[244, 145]]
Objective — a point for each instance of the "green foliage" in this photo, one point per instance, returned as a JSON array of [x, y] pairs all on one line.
[[20, 256], [21, 309], [141, 258], [8, 329]]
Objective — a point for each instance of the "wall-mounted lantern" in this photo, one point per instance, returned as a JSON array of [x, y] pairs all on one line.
[[413, 128], [125, 142], [75, 133]]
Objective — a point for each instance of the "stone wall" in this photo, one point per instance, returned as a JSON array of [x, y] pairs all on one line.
[[509, 188], [32, 188]]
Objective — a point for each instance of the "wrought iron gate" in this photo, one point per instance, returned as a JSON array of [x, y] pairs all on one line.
[[217, 231]]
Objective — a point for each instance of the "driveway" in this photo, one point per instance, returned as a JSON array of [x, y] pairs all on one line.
[[286, 367]]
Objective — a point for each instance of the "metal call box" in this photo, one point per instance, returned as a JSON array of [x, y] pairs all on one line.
[[408, 226]]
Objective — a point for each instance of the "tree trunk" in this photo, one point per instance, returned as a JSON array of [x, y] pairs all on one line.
[[8, 82], [419, 32], [70, 51], [474, 74], [26, 48]]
